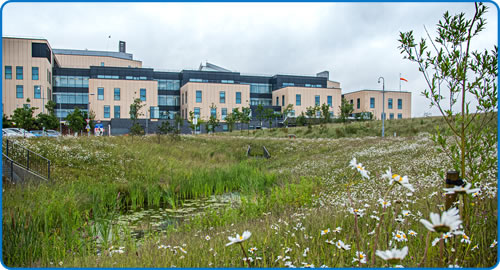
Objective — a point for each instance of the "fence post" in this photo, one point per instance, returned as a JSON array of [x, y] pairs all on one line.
[[27, 159], [12, 170], [7, 148], [452, 179], [48, 170]]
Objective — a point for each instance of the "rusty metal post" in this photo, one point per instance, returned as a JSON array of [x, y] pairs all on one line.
[[452, 180]]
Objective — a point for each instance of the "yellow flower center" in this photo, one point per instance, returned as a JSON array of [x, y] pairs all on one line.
[[398, 235], [384, 203], [361, 256], [394, 176], [241, 237], [355, 210], [465, 236], [325, 231]]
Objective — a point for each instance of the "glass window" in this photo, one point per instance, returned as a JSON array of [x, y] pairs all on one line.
[[64, 81], [154, 112], [143, 94], [223, 113], [34, 73], [389, 104], [222, 97], [71, 81], [19, 91], [85, 82], [117, 93], [400, 104], [298, 100], [277, 101], [213, 112], [316, 100], [8, 72], [100, 93], [283, 100], [198, 96], [117, 112], [19, 73], [78, 81], [358, 103], [38, 91], [329, 101], [197, 112], [288, 84], [238, 97], [400, 116], [102, 64], [372, 102], [106, 111], [352, 101], [291, 113], [391, 116], [224, 127]]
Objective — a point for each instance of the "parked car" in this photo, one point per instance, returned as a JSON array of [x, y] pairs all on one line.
[[38, 133], [10, 133], [26, 134], [52, 133]]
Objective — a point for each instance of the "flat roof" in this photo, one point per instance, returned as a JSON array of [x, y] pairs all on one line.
[[126, 56], [394, 91]]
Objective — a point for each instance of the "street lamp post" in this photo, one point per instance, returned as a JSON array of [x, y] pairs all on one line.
[[383, 103], [88, 112]]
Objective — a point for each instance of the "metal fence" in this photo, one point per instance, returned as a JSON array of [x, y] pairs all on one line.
[[17, 173], [23, 157]]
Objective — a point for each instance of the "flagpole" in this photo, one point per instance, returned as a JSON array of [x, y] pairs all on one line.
[[399, 82]]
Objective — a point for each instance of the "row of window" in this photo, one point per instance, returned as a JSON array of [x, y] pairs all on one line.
[[71, 98], [37, 91], [62, 113], [298, 100], [199, 97], [168, 100], [205, 80], [169, 84], [372, 103], [260, 88], [71, 81], [261, 101], [35, 73], [117, 93]]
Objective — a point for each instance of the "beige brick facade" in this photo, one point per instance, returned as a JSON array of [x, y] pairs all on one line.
[[364, 97], [307, 98], [85, 61], [17, 52], [129, 90], [210, 94]]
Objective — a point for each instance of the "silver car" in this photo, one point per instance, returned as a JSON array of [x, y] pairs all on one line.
[[10, 133], [24, 133]]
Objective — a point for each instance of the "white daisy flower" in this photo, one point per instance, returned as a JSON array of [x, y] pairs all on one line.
[[323, 232], [493, 244], [252, 250], [384, 203], [360, 168], [343, 246], [448, 221], [465, 239], [461, 189], [412, 233], [396, 178], [360, 257], [399, 236], [394, 255], [207, 237], [239, 238]]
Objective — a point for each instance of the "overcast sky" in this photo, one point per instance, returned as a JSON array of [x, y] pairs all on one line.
[[356, 42]]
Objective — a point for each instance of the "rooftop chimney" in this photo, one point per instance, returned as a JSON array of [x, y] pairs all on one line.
[[122, 46]]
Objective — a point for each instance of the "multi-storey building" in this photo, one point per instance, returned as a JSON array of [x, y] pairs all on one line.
[[107, 83], [397, 103]]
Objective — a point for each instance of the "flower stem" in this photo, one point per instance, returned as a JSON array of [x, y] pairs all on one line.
[[424, 259], [244, 253]]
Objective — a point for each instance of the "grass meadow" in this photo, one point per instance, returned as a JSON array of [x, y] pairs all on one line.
[[305, 206]]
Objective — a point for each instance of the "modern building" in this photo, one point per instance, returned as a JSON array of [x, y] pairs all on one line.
[[107, 82], [397, 103]]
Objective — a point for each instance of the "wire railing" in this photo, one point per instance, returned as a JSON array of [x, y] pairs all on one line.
[[26, 158]]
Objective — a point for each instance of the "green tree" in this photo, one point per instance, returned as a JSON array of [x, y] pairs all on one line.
[[269, 115], [346, 109], [48, 120], [325, 112], [213, 122], [164, 129], [76, 120], [135, 108], [237, 116], [260, 113], [301, 119], [6, 122], [451, 66], [230, 120], [23, 117], [287, 111], [179, 122], [192, 121], [245, 117], [311, 113]]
